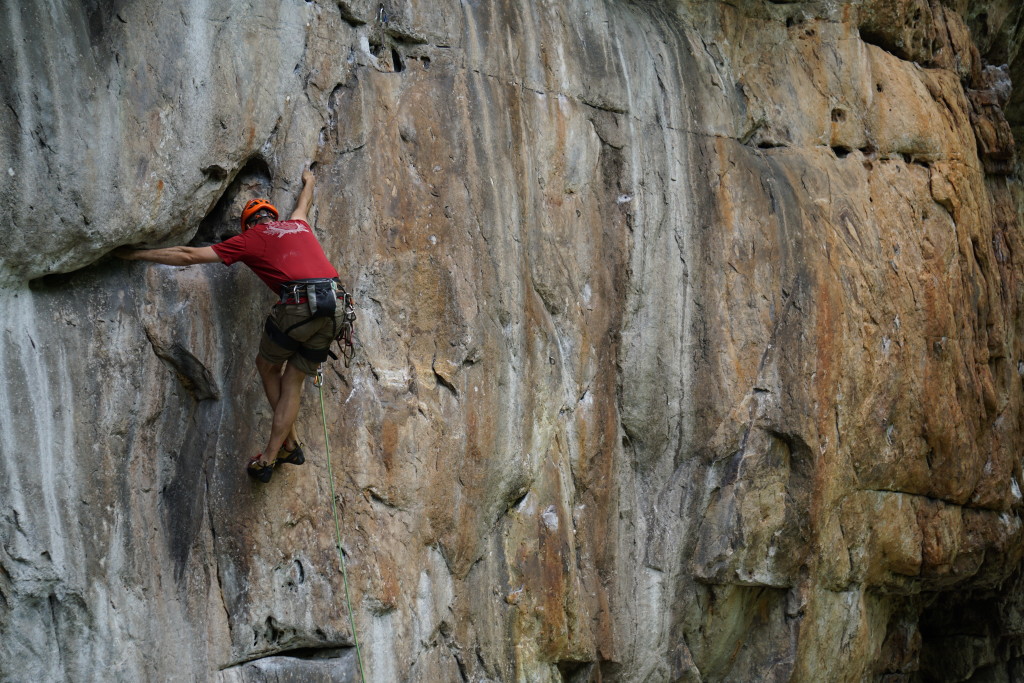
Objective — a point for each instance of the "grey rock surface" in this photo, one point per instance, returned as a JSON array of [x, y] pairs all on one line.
[[689, 341]]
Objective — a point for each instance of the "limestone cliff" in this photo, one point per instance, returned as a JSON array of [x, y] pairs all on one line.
[[689, 341]]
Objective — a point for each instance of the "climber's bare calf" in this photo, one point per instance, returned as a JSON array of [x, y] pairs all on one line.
[[283, 390]]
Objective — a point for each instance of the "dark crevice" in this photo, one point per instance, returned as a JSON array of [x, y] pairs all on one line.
[[273, 633], [445, 383], [253, 180], [890, 43], [299, 575], [215, 173], [379, 498], [313, 652], [967, 635], [610, 108], [193, 375], [518, 501], [930, 458], [348, 15], [325, 652], [445, 630], [54, 604], [911, 160], [99, 269], [575, 671]]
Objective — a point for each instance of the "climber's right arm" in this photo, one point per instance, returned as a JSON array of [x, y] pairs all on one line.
[[170, 256]]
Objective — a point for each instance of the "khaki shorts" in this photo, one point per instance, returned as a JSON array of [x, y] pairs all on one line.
[[317, 334]]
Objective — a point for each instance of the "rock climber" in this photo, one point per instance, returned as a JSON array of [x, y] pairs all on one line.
[[297, 335]]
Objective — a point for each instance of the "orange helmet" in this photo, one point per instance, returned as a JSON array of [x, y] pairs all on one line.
[[253, 206]]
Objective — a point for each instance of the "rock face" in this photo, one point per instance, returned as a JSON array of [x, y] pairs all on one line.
[[689, 341]]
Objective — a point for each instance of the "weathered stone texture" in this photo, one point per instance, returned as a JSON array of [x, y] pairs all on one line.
[[689, 341]]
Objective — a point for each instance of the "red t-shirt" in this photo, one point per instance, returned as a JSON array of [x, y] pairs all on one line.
[[278, 252]]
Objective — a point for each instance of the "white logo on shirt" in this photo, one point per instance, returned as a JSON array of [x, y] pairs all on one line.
[[286, 228]]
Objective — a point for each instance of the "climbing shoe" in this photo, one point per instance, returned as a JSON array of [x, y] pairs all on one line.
[[292, 457], [259, 471]]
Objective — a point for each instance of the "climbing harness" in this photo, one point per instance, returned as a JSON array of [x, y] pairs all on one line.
[[322, 297], [319, 382]]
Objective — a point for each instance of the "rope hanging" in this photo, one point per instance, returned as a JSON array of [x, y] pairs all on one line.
[[337, 527]]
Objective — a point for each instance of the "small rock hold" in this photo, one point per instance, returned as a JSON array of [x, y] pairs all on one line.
[[550, 518], [513, 597]]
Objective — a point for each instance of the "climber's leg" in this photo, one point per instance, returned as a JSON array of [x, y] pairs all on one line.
[[271, 374], [286, 409]]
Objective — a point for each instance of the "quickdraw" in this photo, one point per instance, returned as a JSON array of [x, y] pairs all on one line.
[[345, 333]]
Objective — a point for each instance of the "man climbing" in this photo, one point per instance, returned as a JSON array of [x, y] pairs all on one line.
[[287, 256]]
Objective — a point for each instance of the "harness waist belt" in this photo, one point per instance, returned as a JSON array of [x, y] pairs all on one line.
[[302, 291]]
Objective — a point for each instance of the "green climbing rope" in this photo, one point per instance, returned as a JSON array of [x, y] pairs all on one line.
[[337, 528]]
